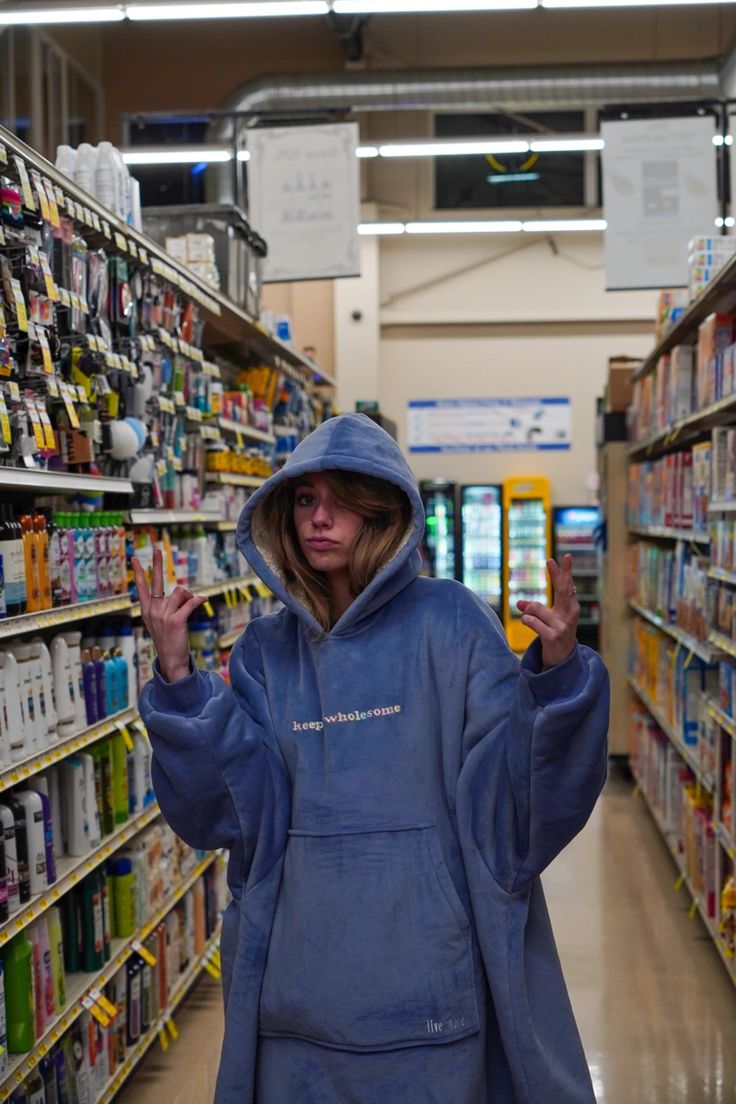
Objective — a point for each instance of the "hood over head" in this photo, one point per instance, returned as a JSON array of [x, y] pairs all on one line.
[[349, 442]]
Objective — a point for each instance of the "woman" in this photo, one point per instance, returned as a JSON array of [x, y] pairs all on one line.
[[390, 782]]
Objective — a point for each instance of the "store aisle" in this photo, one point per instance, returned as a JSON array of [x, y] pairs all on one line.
[[655, 1007]]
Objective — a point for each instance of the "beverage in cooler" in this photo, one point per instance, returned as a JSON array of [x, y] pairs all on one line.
[[439, 559], [526, 503], [575, 531], [482, 542]]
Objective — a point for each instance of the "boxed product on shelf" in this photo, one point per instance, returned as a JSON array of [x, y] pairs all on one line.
[[671, 305], [715, 336], [661, 492], [706, 257]]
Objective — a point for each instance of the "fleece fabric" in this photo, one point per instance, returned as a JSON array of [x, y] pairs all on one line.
[[389, 793]]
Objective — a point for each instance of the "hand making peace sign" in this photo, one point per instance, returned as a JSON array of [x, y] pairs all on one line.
[[556, 626], [166, 618]]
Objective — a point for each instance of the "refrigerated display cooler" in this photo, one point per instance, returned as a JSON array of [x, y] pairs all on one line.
[[528, 528], [439, 549], [481, 542], [575, 530]]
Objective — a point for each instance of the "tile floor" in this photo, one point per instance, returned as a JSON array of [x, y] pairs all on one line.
[[655, 1008]]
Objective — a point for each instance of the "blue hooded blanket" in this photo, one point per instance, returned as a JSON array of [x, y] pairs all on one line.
[[389, 793]]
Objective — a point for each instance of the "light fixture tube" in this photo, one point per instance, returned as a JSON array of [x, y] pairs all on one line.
[[26, 17], [566, 145], [451, 149], [555, 226], [498, 227], [257, 9], [628, 3], [382, 229], [397, 7], [181, 155], [365, 152], [243, 155]]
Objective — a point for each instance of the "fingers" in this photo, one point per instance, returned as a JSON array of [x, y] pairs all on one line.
[[189, 607], [539, 612], [141, 586], [177, 599], [157, 574]]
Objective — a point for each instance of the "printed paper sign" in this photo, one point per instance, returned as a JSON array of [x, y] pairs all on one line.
[[489, 425]]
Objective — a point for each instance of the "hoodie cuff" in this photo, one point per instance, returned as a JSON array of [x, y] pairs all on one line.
[[564, 681], [187, 696]]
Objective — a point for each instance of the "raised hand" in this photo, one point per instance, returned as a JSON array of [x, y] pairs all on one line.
[[556, 626], [166, 618]]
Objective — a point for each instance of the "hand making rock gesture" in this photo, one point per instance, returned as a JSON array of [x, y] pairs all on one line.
[[556, 625], [166, 618]]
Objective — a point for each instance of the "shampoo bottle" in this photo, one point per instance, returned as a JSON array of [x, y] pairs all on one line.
[[3, 1025], [10, 855], [14, 707], [17, 958], [90, 799], [126, 644], [56, 950], [21, 847], [63, 680], [119, 778], [44, 567], [41, 652], [41, 786], [89, 677], [36, 836], [93, 943], [73, 640], [75, 818]]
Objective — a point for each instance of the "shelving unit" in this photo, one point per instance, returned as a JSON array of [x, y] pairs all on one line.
[[228, 331], [717, 738], [80, 984]]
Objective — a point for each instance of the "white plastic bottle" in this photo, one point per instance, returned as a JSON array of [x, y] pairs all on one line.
[[20, 741], [74, 807], [66, 161], [85, 169], [135, 203], [47, 678], [31, 802], [48, 784], [125, 642], [74, 641], [106, 176], [7, 827], [63, 683], [94, 831], [39, 695]]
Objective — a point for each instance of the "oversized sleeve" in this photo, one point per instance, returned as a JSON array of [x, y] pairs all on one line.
[[213, 759], [534, 754]]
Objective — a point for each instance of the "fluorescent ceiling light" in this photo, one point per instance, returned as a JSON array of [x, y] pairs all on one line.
[[385, 229], [628, 3], [723, 140], [107, 14], [394, 7], [255, 10], [181, 155], [463, 227], [566, 145], [243, 155], [554, 226], [367, 151], [452, 148]]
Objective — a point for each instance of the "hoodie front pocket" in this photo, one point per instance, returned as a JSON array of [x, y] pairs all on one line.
[[370, 947]]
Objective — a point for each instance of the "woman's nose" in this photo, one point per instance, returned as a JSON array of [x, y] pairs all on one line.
[[322, 514]]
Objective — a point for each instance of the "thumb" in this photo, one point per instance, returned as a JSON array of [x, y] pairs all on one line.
[[188, 608]]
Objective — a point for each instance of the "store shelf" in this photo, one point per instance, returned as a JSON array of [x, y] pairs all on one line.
[[697, 647], [698, 904], [172, 517], [226, 526], [70, 870], [228, 639], [246, 431], [34, 479], [723, 643], [575, 548], [226, 325], [659, 532], [234, 479], [79, 984], [722, 507], [63, 615], [720, 295], [722, 576], [177, 995], [686, 430], [725, 839], [675, 739], [45, 757], [723, 719], [210, 591]]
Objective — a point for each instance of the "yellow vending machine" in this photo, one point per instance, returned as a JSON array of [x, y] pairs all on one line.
[[528, 529]]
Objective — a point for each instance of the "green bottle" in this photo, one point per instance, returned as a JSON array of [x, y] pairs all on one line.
[[17, 958], [102, 754], [93, 954], [119, 778]]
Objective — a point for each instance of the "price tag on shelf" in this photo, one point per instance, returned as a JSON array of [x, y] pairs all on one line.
[[143, 254], [21, 313], [246, 594], [43, 199], [123, 730], [144, 952], [99, 998], [208, 608], [173, 1029], [102, 1018], [48, 429], [96, 222], [5, 432], [64, 297], [51, 289], [43, 341], [179, 399], [132, 248], [3, 155], [106, 228], [25, 184], [60, 197], [69, 404], [166, 405], [120, 241], [161, 468], [53, 206], [212, 970], [14, 391]]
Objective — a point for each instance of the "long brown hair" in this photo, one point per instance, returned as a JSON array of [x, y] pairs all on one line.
[[387, 515]]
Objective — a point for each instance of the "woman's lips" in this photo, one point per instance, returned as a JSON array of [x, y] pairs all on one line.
[[321, 544]]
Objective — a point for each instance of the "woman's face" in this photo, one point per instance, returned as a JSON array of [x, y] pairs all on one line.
[[325, 529]]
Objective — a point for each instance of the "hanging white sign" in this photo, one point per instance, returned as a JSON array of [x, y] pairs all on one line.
[[304, 199], [489, 425], [659, 191]]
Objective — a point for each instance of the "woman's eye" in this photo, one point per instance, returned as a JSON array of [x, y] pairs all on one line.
[[304, 500]]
